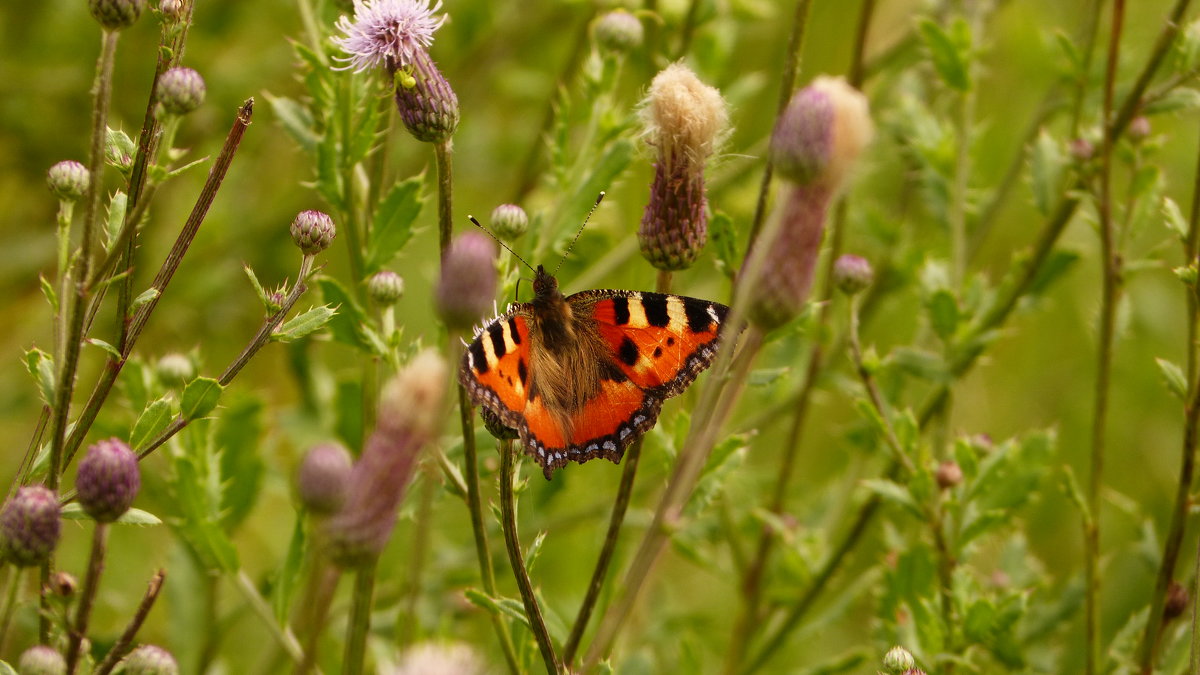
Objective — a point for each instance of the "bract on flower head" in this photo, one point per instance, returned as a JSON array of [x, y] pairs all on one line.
[[387, 32]]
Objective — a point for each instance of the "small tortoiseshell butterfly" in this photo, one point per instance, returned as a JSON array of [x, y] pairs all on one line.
[[584, 376]]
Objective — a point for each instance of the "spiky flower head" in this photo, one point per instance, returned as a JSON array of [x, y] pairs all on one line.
[[41, 660], [684, 120], [385, 287], [116, 14], [433, 658], [108, 480], [410, 413], [313, 231], [898, 660], [618, 31], [466, 289], [30, 525], [149, 660], [852, 274], [387, 32], [509, 221], [175, 369], [180, 90], [323, 476], [69, 180]]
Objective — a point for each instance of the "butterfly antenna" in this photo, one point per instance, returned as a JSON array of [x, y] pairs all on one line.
[[599, 199], [493, 236]]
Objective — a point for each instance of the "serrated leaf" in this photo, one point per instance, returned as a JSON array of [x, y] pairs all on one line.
[[237, 437], [49, 292], [153, 420], [199, 397], [258, 288], [496, 606], [109, 349], [1047, 161], [604, 173], [283, 593], [1173, 218], [392, 227], [894, 493], [296, 121], [74, 511], [1173, 375], [943, 313], [41, 366], [948, 58], [304, 324], [198, 526], [534, 550], [723, 239], [116, 218]]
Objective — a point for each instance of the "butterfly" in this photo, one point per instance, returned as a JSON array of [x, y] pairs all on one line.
[[585, 375]]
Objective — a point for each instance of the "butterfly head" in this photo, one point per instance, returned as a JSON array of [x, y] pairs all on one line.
[[545, 286]]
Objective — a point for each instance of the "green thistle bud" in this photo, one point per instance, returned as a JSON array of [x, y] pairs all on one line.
[[385, 287], [852, 274], [175, 369], [323, 476], [466, 289], [116, 14], [149, 660], [69, 180], [30, 525], [41, 660], [618, 31], [509, 221], [898, 660], [180, 90], [313, 231], [108, 480]]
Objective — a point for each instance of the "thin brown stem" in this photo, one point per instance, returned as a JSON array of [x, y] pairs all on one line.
[[135, 624], [360, 620], [87, 595]]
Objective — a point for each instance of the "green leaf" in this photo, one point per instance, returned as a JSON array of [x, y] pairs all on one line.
[[348, 409], [497, 606], [116, 218], [1180, 99], [604, 173], [979, 524], [296, 121], [258, 288], [723, 239], [288, 581], [6, 669], [144, 297], [153, 420], [921, 363], [304, 324], [199, 397], [237, 437], [1173, 375], [198, 525], [48, 291], [949, 58], [393, 224], [534, 550], [41, 366], [1173, 218], [347, 325], [943, 313], [1047, 161], [74, 511], [895, 494], [109, 349], [762, 377], [1057, 264]]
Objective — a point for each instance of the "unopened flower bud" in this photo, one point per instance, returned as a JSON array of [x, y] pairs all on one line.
[[509, 221], [385, 287], [428, 106], [684, 120], [117, 156], [108, 480], [175, 369], [41, 660], [149, 660], [914, 671], [63, 584], [1139, 129], [898, 660], [172, 10], [618, 31], [1082, 149], [948, 474], [116, 14], [313, 231], [852, 274], [69, 180], [324, 474], [30, 525], [466, 289], [180, 90], [1177, 601]]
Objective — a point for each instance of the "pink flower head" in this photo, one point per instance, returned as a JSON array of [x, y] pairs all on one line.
[[387, 32]]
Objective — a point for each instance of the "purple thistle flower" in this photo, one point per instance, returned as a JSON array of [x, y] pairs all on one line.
[[466, 290], [387, 32], [30, 525], [321, 481], [41, 660], [108, 480]]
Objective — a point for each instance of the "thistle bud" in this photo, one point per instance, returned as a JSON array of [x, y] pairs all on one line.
[[175, 369], [684, 120], [428, 106], [41, 660], [466, 289], [321, 482], [618, 31], [180, 90], [948, 474], [1177, 601], [410, 413], [1139, 129], [117, 155], [898, 660], [1082, 149], [852, 274], [385, 287], [116, 14], [30, 525], [509, 221], [63, 584], [149, 660], [172, 10], [69, 180], [313, 231], [108, 480]]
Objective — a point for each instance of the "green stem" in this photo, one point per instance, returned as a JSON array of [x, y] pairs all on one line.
[[323, 581], [360, 620], [445, 186], [282, 634], [508, 510], [10, 600], [87, 595]]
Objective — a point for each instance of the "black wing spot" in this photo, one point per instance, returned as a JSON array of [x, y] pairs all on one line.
[[621, 310], [698, 318], [656, 310], [478, 357], [496, 333], [522, 372], [628, 352], [657, 352], [512, 330], [670, 342]]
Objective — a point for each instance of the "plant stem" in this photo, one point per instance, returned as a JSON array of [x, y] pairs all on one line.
[[324, 581], [135, 624], [87, 595], [958, 198], [445, 185], [508, 510], [282, 634], [689, 28], [411, 627], [10, 600], [360, 619]]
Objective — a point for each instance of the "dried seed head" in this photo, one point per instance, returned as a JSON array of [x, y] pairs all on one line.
[[509, 221], [466, 289], [323, 476], [149, 660], [42, 660], [313, 231], [116, 14], [69, 180], [427, 105], [821, 133], [30, 525], [108, 480], [63, 584], [898, 660], [1177, 601], [852, 274], [385, 287], [410, 412], [175, 369], [618, 31], [387, 32], [432, 658], [180, 90]]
